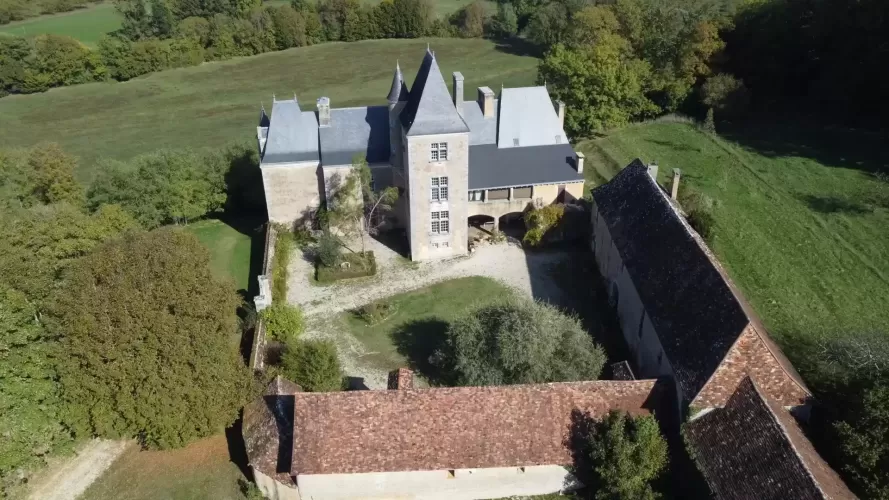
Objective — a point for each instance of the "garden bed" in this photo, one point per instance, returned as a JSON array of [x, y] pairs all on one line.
[[357, 265]]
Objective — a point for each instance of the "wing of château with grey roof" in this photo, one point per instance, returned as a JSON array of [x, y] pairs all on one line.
[[356, 131], [292, 134]]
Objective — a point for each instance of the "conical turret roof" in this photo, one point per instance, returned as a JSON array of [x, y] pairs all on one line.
[[399, 91]]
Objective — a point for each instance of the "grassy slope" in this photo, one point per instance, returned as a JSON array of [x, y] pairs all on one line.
[[87, 25], [800, 222], [199, 471], [419, 321], [229, 250], [214, 103]]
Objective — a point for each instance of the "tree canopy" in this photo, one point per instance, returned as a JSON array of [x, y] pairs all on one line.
[[150, 340], [518, 341]]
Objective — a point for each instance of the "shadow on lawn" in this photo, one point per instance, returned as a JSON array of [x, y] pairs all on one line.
[[835, 205], [830, 145], [418, 341]]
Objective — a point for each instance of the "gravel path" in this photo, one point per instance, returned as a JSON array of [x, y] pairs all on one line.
[[71, 476], [528, 273]]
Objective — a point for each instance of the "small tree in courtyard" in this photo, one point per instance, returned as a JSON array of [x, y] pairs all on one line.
[[357, 208], [519, 341]]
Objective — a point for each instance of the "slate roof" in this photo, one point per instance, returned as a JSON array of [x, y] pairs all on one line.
[[429, 109], [451, 428], [528, 118], [696, 310], [481, 130], [293, 134], [491, 167], [363, 130], [399, 91], [754, 448], [265, 419]]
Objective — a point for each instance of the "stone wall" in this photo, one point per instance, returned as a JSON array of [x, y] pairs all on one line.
[[292, 190], [257, 351]]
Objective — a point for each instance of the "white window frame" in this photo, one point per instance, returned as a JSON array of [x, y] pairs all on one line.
[[438, 151], [477, 195], [438, 191], [440, 222]]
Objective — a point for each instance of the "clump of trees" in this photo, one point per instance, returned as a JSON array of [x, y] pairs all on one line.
[[173, 373], [518, 341]]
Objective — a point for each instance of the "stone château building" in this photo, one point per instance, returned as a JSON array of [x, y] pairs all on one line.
[[451, 159]]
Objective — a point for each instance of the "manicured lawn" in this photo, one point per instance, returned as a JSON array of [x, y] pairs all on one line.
[[212, 104], [417, 326], [200, 471], [801, 221], [230, 248], [87, 25]]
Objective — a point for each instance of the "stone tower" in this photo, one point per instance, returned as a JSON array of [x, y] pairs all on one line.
[[436, 167]]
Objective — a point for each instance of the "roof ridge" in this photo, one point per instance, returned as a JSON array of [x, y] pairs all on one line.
[[765, 400]]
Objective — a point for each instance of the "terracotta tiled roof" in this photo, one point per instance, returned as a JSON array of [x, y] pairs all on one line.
[[696, 310], [754, 448], [450, 428], [267, 430]]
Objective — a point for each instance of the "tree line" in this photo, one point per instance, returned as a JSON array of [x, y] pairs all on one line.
[[17, 10], [624, 60], [161, 34]]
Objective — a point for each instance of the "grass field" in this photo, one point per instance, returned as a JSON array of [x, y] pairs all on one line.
[[87, 25], [209, 105], [230, 248], [200, 471], [801, 221], [419, 321]]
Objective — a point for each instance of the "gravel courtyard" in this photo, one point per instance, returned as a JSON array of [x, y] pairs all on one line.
[[528, 273]]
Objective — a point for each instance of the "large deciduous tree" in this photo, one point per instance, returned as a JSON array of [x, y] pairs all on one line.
[[518, 341], [865, 442], [150, 340]]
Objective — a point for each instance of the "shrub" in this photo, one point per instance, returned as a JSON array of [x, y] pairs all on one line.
[[703, 222], [284, 244], [283, 322], [519, 341], [497, 236], [375, 312], [625, 455], [540, 220], [361, 264], [329, 249], [314, 365]]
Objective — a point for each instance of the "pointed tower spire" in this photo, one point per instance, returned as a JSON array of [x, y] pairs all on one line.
[[398, 92]]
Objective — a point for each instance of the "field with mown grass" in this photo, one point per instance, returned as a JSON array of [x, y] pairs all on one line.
[[87, 25], [417, 322], [801, 218], [232, 247], [199, 471], [212, 104]]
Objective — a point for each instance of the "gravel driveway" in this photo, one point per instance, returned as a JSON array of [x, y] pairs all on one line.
[[508, 263]]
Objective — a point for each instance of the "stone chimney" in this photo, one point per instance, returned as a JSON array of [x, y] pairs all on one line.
[[323, 112], [579, 162], [401, 379], [561, 113], [652, 171], [458, 92], [486, 101], [674, 188]]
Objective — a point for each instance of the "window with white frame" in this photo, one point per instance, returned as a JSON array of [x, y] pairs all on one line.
[[477, 195], [439, 189], [440, 223], [438, 151]]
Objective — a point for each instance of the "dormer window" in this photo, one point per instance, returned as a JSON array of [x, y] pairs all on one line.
[[438, 151], [515, 142]]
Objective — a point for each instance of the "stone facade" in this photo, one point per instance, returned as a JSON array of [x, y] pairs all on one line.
[[750, 357], [292, 190], [419, 172]]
